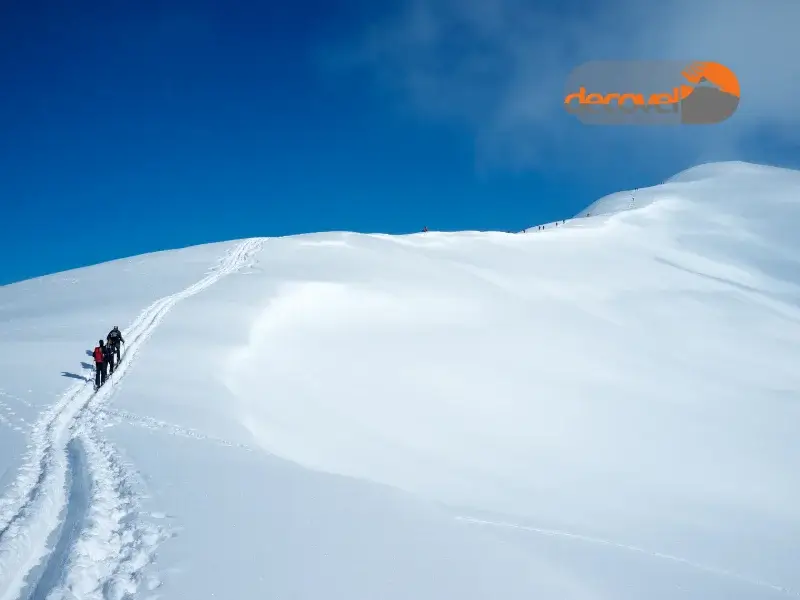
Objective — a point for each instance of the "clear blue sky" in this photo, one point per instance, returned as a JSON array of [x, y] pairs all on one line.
[[134, 126]]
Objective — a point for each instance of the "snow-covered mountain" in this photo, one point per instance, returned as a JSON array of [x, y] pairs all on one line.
[[604, 409]]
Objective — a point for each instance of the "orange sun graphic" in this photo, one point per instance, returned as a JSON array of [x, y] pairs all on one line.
[[718, 74]]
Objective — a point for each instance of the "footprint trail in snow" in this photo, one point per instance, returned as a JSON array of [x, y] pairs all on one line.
[[68, 523]]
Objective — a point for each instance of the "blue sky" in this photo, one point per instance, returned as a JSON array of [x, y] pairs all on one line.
[[128, 127]]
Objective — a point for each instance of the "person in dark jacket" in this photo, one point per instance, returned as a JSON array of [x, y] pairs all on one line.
[[114, 338], [100, 364], [108, 354]]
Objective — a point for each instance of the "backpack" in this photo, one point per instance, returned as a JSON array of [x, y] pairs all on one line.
[[98, 354]]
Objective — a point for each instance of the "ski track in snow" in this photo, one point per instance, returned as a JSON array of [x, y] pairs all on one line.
[[97, 546], [608, 543], [175, 430]]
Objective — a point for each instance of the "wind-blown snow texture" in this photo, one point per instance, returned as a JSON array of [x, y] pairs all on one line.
[[605, 409]]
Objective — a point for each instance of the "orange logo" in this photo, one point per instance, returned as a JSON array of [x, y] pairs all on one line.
[[668, 92]]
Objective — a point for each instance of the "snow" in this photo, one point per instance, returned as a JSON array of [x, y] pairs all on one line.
[[603, 409]]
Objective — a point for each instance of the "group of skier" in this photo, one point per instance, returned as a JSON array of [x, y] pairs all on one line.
[[106, 356]]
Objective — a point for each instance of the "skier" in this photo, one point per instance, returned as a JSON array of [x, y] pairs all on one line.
[[114, 338], [108, 354], [99, 365]]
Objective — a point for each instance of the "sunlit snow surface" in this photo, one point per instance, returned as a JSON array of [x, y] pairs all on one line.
[[606, 409]]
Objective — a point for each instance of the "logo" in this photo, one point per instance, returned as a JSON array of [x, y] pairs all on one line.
[[651, 93]]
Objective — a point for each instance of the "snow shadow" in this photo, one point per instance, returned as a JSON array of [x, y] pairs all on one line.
[[73, 376]]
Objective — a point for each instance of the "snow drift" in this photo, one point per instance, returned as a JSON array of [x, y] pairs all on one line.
[[603, 409]]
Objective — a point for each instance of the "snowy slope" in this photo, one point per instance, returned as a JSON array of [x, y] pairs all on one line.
[[606, 409]]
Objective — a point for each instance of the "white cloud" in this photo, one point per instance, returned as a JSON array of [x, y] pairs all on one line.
[[499, 67]]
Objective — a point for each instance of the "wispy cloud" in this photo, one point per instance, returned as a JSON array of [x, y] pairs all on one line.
[[499, 68]]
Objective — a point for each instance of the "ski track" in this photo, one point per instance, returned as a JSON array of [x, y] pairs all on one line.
[[76, 511], [104, 559], [608, 543], [174, 430]]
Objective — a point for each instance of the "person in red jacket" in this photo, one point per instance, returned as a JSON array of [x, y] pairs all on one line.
[[100, 365]]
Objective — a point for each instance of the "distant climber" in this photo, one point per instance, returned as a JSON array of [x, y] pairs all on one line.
[[424, 229], [99, 365], [114, 339]]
